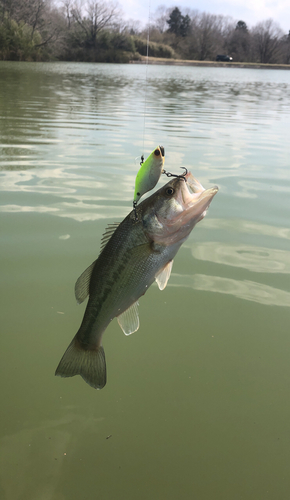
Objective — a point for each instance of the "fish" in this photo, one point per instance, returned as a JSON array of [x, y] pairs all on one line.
[[133, 255], [149, 173]]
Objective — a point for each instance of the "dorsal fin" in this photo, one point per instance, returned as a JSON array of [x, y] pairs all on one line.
[[129, 319], [110, 229], [164, 275], [82, 285]]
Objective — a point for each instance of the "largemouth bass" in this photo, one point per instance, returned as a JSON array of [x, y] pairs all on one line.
[[133, 255]]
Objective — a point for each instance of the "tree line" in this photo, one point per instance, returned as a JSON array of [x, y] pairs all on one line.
[[201, 36], [92, 30]]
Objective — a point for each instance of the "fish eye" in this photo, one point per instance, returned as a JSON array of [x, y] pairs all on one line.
[[162, 150], [157, 152], [170, 191]]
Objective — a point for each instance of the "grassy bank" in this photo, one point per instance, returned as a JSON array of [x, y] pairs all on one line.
[[183, 62]]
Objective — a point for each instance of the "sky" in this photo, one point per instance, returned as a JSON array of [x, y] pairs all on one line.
[[250, 11]]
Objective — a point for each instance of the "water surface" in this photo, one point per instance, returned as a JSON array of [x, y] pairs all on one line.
[[197, 401]]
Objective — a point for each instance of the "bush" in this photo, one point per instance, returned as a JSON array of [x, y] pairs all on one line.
[[154, 49], [116, 41], [108, 46], [18, 42]]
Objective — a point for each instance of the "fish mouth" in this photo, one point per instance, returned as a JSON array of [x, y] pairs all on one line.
[[194, 198], [187, 204], [193, 184]]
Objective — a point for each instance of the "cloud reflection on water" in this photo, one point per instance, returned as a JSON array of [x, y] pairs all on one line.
[[78, 211], [247, 226], [252, 258], [242, 289], [73, 195]]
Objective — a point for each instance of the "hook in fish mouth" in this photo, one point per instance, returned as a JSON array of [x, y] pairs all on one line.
[[182, 176]]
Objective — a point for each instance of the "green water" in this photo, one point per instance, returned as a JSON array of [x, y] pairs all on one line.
[[197, 401]]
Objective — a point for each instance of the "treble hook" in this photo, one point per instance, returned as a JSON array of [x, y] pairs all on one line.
[[182, 176], [135, 211]]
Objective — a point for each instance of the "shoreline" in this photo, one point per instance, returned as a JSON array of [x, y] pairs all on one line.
[[213, 64]]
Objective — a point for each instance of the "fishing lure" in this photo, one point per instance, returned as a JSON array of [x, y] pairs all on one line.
[[149, 173]]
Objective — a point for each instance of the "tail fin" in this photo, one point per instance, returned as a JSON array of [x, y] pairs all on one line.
[[90, 364]]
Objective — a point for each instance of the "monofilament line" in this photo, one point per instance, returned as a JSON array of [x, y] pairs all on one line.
[[146, 81]]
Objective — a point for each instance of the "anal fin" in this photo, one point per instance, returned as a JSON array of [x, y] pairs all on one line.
[[129, 319]]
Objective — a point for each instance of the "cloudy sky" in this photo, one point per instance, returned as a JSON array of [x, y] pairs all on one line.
[[250, 11]]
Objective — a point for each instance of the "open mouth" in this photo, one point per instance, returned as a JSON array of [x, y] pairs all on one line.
[[195, 198], [193, 184], [188, 206]]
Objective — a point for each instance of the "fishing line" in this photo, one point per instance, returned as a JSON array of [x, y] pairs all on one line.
[[146, 84]]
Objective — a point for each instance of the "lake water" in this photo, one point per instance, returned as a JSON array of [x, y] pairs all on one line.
[[197, 402]]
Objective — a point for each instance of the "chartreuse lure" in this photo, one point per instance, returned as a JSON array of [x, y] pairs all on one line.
[[149, 173]]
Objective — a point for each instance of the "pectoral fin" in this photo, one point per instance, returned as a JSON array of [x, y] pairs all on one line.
[[164, 275], [129, 319], [82, 285]]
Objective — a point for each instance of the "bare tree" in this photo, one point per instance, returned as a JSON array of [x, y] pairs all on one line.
[[67, 8], [207, 29], [30, 12], [159, 18], [286, 49], [93, 16], [40, 15], [238, 43], [267, 40], [133, 27]]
